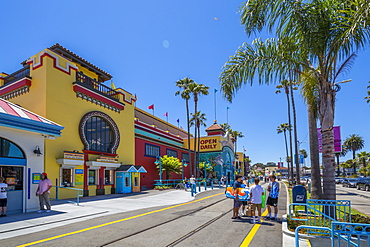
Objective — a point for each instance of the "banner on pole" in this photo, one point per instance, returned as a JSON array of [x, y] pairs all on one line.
[[337, 139]]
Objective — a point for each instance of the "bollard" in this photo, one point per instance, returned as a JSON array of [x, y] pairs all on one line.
[[205, 185], [212, 185], [219, 184], [199, 186]]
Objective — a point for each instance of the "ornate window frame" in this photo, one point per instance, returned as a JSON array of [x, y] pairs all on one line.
[[113, 125]]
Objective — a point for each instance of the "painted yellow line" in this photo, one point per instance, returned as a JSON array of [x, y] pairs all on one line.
[[114, 222], [308, 243], [253, 231]]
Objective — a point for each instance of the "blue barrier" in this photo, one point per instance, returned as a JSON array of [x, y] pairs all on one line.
[[346, 231], [322, 229]]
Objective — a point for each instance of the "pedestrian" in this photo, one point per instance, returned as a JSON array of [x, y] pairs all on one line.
[[236, 187], [43, 192], [223, 180], [256, 192], [244, 203], [3, 197], [272, 200]]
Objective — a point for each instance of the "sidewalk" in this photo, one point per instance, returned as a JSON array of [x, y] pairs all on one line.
[[90, 207]]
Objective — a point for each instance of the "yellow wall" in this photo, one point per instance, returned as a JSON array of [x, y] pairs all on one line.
[[51, 95], [210, 143]]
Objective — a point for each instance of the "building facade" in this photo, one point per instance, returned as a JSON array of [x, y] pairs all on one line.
[[98, 120]]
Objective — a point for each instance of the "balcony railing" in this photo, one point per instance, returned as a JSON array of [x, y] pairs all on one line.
[[96, 86], [24, 72]]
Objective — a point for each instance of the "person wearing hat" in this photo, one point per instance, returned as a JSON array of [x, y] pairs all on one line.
[[43, 192]]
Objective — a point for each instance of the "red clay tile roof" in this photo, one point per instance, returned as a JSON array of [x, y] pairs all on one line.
[[103, 76], [214, 126]]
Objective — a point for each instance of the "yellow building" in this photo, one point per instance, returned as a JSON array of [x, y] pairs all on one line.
[[98, 120]]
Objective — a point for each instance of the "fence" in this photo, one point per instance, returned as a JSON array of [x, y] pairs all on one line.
[[321, 213]]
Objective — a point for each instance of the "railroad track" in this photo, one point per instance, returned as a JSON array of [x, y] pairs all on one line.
[[185, 236]]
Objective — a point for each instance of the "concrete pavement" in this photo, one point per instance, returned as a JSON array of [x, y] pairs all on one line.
[[92, 207]]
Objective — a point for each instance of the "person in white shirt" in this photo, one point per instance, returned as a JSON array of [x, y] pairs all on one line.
[[256, 192], [3, 197]]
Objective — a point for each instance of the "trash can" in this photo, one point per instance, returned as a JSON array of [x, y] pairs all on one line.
[[299, 194]]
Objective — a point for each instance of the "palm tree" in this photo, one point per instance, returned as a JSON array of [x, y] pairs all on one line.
[[196, 90], [198, 119], [363, 158], [283, 128], [235, 135], [309, 91], [310, 34], [286, 86], [183, 84], [354, 143]]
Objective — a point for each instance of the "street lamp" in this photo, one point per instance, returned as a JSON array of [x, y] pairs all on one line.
[[183, 164], [159, 161]]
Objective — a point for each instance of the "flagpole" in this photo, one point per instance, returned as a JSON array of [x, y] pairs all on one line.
[[227, 115], [215, 104]]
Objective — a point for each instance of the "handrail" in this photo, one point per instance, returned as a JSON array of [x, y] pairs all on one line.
[[309, 227], [345, 231], [79, 194], [19, 74]]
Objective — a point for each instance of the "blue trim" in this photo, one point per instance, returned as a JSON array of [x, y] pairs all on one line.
[[155, 156], [29, 124], [13, 161], [177, 153], [132, 169], [29, 184], [142, 170]]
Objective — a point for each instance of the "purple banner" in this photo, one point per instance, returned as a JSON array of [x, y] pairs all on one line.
[[337, 140]]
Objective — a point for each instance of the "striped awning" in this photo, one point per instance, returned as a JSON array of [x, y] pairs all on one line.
[[14, 116]]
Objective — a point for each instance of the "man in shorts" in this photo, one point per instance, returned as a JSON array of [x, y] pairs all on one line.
[[236, 187], [272, 200], [3, 196], [256, 193]]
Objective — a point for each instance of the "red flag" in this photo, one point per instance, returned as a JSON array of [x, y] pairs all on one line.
[[151, 107], [166, 114]]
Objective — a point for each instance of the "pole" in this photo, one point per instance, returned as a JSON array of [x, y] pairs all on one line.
[[215, 104], [182, 176]]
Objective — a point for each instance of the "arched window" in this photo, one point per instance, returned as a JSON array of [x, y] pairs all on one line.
[[9, 149], [99, 132]]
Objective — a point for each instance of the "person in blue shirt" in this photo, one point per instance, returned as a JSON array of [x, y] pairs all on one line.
[[272, 200], [236, 187]]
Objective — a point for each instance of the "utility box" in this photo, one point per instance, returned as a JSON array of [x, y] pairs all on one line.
[[299, 194]]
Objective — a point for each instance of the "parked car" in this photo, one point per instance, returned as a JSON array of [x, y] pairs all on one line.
[[349, 182], [363, 184], [338, 180]]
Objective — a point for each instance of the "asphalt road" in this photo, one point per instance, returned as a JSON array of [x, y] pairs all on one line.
[[206, 221], [360, 200]]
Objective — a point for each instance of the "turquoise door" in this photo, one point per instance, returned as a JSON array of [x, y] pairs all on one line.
[[123, 182]]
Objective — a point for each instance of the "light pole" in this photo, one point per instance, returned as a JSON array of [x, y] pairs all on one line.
[[159, 161], [183, 164]]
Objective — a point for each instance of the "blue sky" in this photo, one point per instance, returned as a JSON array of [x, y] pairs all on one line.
[[148, 45]]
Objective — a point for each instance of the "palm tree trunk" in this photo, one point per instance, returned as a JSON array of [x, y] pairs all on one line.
[[297, 166], [316, 189], [188, 122], [327, 122], [286, 148], [195, 139], [290, 166], [354, 161]]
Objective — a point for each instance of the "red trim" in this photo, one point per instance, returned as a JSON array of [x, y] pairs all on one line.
[[15, 85], [78, 88], [54, 64], [98, 153]]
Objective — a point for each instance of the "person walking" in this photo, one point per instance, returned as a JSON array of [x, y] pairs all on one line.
[[272, 200], [256, 193], [43, 192], [3, 197], [236, 187]]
